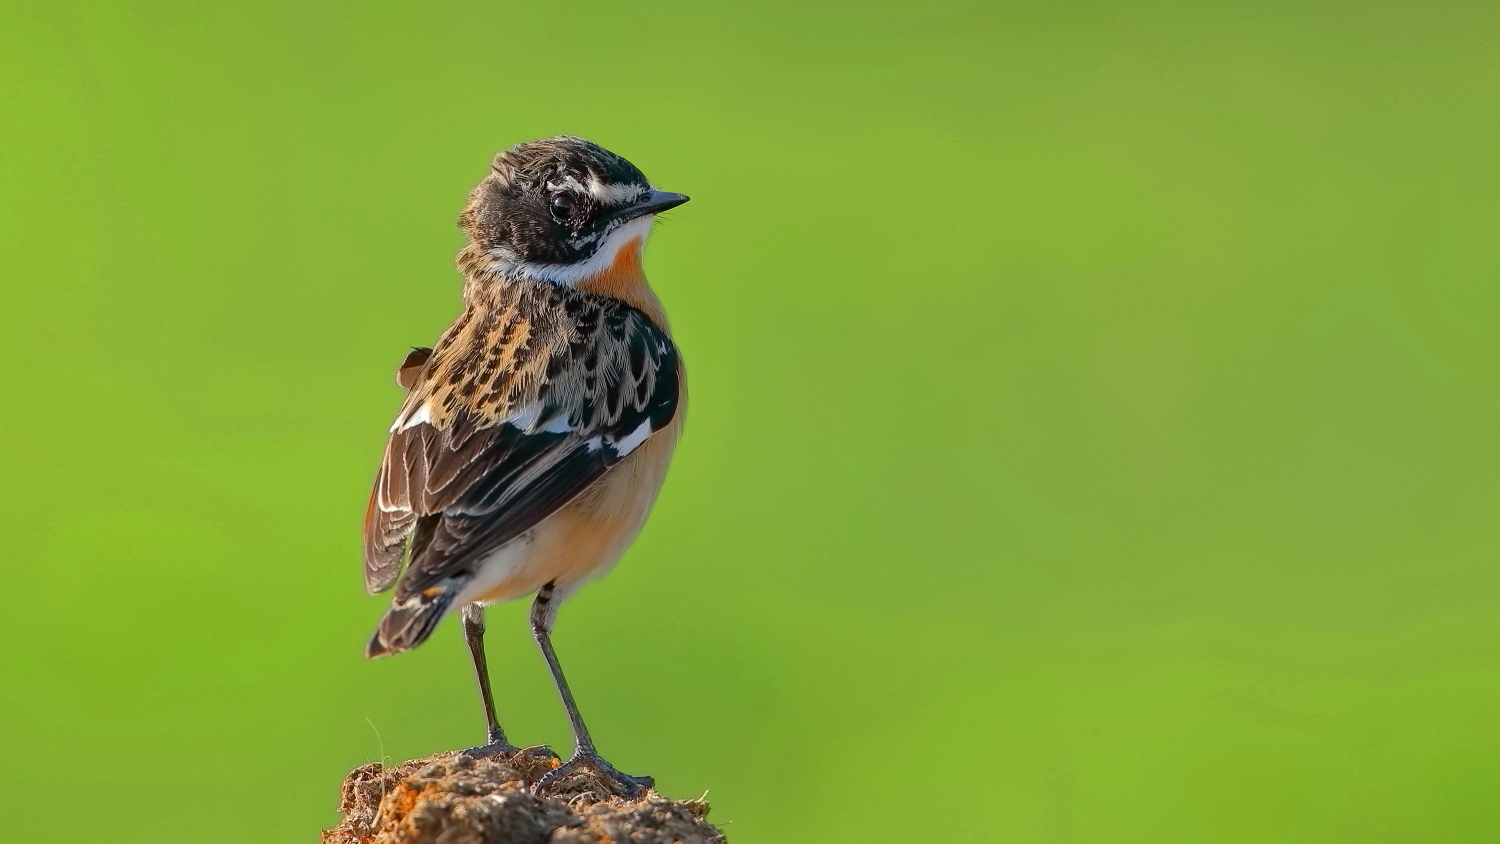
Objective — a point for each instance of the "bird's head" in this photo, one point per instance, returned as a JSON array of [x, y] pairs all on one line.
[[560, 210]]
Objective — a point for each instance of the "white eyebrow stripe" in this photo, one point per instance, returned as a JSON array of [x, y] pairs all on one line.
[[567, 182], [611, 194]]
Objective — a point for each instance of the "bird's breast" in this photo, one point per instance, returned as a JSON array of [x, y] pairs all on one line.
[[585, 537], [625, 279]]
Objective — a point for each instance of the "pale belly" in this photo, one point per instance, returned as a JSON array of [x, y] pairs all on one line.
[[583, 539]]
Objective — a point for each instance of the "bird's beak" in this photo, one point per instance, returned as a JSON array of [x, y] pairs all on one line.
[[654, 202]]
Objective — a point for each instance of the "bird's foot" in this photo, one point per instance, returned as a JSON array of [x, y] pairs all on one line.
[[498, 746], [489, 750], [614, 780]]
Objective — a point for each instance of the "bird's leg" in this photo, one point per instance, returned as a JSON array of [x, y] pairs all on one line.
[[495, 743], [543, 613]]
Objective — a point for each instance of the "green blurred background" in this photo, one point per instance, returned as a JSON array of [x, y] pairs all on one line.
[[1093, 431]]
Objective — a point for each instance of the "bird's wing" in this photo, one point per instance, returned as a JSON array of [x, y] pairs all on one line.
[[386, 530], [462, 485], [411, 367]]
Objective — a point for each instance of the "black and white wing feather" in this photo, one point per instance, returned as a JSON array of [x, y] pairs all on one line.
[[467, 470]]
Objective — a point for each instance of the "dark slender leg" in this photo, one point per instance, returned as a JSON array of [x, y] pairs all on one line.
[[495, 737], [543, 613]]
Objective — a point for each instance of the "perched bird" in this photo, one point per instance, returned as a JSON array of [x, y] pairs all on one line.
[[536, 433]]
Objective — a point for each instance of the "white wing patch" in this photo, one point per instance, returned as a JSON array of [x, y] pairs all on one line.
[[417, 416], [526, 417], [633, 440]]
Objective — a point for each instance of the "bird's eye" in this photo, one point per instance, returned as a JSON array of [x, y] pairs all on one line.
[[562, 205]]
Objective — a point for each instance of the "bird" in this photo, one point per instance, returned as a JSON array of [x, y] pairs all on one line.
[[537, 431]]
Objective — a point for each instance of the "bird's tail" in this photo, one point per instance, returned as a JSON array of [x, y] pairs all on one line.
[[411, 620]]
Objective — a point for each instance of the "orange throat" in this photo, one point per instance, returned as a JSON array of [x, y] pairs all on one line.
[[625, 279]]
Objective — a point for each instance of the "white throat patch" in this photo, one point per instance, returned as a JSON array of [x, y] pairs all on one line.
[[503, 262]]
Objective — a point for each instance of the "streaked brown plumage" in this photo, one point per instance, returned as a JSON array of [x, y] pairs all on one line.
[[536, 433], [519, 344]]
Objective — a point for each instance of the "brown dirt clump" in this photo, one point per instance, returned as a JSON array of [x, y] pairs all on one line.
[[444, 799]]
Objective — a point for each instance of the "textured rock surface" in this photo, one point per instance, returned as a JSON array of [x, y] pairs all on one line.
[[445, 800]]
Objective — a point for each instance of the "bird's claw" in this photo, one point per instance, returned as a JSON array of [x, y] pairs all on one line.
[[626, 785], [488, 751], [509, 751]]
